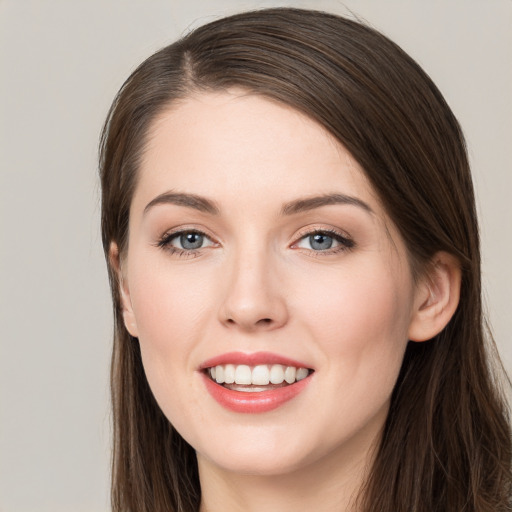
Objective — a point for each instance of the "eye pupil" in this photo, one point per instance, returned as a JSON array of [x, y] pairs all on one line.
[[191, 241], [320, 241]]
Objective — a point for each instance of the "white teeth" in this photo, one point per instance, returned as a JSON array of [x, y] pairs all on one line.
[[219, 374], [277, 374], [260, 375], [302, 373], [229, 374], [243, 374], [289, 374]]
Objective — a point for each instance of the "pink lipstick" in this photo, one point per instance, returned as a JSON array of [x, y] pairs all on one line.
[[254, 383]]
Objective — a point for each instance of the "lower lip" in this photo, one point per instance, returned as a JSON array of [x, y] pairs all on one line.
[[254, 402]]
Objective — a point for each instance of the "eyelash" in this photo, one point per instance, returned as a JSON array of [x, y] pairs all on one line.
[[344, 242], [167, 238]]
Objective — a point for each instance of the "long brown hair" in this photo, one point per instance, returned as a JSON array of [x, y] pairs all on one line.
[[446, 445]]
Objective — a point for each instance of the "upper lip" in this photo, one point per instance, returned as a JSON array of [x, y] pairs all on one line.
[[252, 359]]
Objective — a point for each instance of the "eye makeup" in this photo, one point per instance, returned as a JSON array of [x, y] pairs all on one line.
[[190, 242]]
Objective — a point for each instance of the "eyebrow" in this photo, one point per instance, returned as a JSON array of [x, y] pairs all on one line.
[[189, 200], [310, 203], [292, 208]]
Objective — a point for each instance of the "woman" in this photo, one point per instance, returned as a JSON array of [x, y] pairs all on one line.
[[289, 223]]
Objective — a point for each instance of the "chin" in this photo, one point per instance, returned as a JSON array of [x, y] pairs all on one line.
[[262, 454], [266, 463]]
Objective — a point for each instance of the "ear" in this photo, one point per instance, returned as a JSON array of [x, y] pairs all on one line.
[[124, 291], [437, 297]]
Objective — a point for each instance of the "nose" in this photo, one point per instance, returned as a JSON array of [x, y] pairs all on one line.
[[254, 296]]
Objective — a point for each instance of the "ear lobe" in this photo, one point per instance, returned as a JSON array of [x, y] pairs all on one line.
[[124, 291], [437, 297]]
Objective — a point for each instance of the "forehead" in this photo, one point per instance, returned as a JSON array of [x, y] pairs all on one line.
[[213, 143]]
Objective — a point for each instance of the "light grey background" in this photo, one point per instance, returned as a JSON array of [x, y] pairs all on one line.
[[61, 64]]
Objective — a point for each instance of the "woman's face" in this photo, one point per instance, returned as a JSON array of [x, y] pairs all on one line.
[[257, 246]]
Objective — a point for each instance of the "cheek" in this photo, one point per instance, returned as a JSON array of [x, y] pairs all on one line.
[[170, 308], [362, 322], [167, 303], [360, 328]]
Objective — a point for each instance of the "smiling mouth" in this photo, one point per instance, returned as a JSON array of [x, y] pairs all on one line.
[[254, 379]]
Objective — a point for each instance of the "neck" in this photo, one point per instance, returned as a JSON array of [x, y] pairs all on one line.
[[327, 485]]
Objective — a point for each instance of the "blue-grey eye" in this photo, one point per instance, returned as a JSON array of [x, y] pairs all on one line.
[[190, 241], [323, 241], [320, 241], [185, 241]]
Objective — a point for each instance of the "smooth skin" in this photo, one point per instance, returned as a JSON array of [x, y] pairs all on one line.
[[226, 254]]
